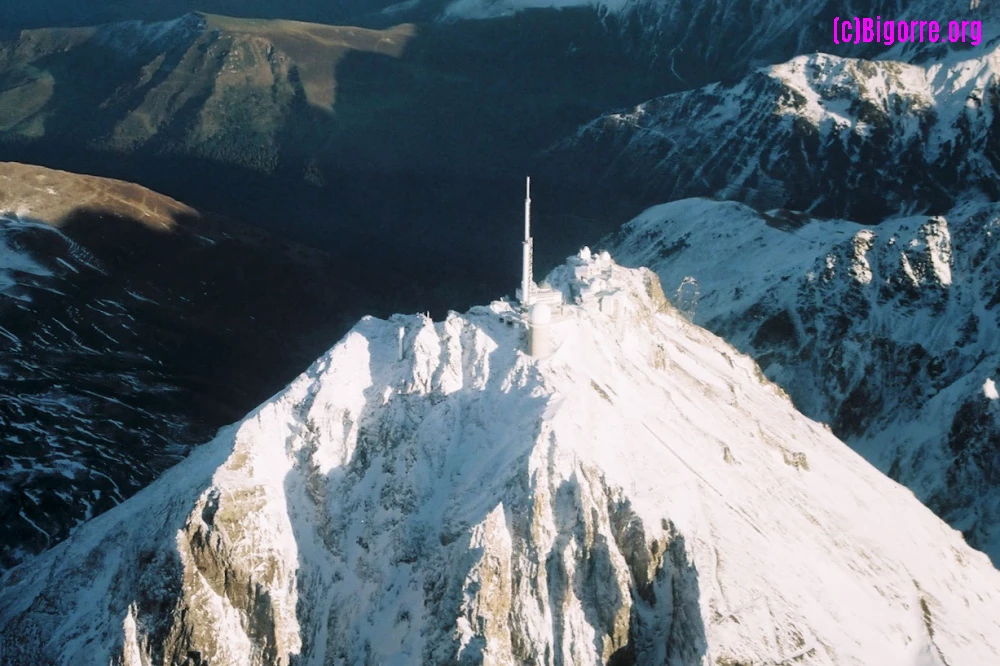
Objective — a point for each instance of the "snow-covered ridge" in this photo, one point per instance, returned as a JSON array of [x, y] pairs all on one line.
[[828, 92], [815, 133], [890, 333], [642, 494]]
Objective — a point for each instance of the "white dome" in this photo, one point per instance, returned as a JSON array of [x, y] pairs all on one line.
[[540, 313]]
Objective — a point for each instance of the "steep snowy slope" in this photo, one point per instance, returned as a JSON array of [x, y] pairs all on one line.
[[641, 496], [837, 136], [889, 333]]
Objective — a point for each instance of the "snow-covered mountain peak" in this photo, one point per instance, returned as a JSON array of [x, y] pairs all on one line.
[[428, 493], [824, 89], [828, 90]]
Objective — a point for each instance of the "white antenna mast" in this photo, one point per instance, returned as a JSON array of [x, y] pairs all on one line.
[[526, 258]]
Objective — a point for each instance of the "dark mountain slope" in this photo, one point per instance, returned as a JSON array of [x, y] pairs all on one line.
[[131, 326]]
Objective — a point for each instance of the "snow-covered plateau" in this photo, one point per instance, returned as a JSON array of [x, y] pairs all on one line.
[[643, 495]]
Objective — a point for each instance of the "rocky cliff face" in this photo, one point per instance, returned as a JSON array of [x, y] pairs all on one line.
[[427, 493], [888, 333]]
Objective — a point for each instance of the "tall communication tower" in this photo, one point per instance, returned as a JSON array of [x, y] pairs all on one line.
[[527, 279]]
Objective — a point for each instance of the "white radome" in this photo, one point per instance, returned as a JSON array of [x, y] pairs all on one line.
[[540, 314]]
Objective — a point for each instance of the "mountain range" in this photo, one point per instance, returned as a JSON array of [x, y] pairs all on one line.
[[646, 495]]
